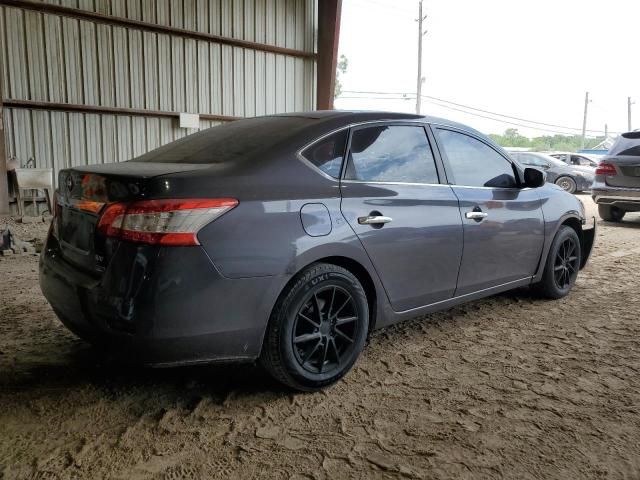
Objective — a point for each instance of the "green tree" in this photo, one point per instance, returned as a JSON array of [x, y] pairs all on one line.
[[565, 143], [343, 64]]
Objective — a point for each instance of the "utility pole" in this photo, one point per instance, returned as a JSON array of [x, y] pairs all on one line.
[[421, 19], [629, 103], [606, 131], [584, 121]]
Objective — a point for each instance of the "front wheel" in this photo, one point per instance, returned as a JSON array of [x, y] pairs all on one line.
[[562, 265], [568, 184], [609, 213], [317, 329]]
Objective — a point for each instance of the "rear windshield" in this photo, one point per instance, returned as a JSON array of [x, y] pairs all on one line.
[[231, 142], [626, 144]]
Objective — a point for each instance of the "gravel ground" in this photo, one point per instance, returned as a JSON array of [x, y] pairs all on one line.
[[506, 387]]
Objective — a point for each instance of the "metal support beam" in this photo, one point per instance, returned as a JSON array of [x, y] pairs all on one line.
[[4, 185], [329, 12], [150, 27], [83, 108]]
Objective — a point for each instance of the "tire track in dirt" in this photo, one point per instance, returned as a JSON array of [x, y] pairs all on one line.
[[509, 386]]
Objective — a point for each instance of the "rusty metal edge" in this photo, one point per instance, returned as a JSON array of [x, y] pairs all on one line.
[[82, 108]]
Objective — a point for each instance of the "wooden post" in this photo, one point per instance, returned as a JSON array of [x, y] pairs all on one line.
[[329, 12], [4, 186]]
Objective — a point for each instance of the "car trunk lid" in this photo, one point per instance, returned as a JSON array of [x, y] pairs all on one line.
[[83, 193]]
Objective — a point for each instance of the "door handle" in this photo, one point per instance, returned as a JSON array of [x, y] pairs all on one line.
[[476, 215], [374, 220]]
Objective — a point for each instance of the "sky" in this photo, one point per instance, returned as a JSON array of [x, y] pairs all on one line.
[[530, 59]]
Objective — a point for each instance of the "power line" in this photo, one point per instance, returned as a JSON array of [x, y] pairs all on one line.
[[480, 110], [499, 120]]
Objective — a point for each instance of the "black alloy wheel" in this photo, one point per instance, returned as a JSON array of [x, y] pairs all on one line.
[[324, 330], [566, 264], [561, 265], [317, 329]]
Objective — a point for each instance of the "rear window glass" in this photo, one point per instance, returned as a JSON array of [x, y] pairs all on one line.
[[626, 144], [328, 153], [234, 141]]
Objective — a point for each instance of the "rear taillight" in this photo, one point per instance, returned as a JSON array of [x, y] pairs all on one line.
[[605, 168], [163, 222]]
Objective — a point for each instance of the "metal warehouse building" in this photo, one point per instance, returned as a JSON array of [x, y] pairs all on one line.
[[92, 81]]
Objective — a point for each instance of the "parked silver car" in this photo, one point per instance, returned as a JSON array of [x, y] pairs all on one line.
[[617, 184], [571, 178], [575, 159]]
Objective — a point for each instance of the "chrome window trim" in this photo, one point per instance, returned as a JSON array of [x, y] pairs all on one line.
[[416, 184], [492, 188]]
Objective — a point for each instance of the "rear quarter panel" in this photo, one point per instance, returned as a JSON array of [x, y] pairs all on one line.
[[264, 235]]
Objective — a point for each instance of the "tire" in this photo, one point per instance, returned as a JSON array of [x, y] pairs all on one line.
[[307, 351], [609, 213], [568, 184], [562, 265]]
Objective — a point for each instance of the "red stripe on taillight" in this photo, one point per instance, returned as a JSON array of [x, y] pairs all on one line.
[[163, 222], [107, 224], [605, 168]]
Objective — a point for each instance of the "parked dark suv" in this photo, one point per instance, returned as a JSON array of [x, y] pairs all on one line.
[[287, 239], [616, 189]]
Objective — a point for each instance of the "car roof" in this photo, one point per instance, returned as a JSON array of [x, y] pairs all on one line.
[[343, 118]]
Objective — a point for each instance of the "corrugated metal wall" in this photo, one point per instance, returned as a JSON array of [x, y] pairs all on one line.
[[55, 58]]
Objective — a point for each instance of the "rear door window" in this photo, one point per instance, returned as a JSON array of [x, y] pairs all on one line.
[[473, 163], [391, 153], [328, 153]]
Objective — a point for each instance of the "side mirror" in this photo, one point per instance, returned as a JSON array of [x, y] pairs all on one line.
[[534, 178]]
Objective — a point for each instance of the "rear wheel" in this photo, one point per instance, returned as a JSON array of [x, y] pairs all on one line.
[[568, 184], [562, 265], [609, 213], [317, 329]]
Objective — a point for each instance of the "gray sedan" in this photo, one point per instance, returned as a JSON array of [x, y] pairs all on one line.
[[571, 178], [287, 239]]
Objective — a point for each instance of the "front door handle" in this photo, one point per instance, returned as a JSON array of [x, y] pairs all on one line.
[[374, 220], [476, 215]]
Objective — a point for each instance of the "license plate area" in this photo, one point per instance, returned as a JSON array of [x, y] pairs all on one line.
[[77, 229]]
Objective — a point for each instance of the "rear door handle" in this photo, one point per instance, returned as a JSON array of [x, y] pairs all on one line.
[[476, 215], [374, 220]]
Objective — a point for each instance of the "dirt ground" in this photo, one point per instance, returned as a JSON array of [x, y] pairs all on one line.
[[507, 387]]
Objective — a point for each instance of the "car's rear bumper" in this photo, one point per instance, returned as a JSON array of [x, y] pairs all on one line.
[[160, 305], [622, 197], [583, 183], [587, 240]]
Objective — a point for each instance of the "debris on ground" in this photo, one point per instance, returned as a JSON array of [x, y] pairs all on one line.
[[12, 245]]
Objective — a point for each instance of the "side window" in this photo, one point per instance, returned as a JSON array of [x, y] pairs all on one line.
[[391, 153], [471, 162], [327, 154]]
